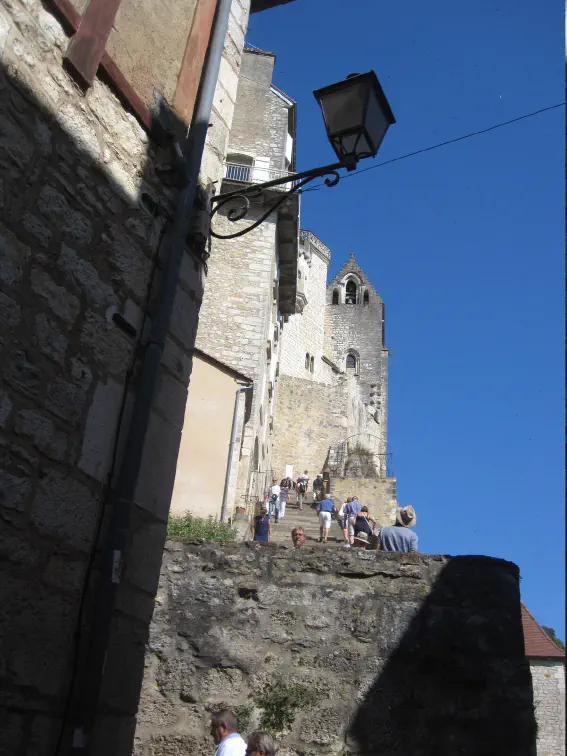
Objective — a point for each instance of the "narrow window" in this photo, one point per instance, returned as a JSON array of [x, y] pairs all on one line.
[[366, 299], [307, 362], [350, 294], [351, 362], [312, 366], [335, 296], [383, 324]]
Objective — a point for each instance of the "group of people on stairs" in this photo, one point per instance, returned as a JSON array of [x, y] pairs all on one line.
[[358, 526]]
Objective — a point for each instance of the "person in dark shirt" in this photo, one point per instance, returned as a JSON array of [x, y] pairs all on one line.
[[262, 527]]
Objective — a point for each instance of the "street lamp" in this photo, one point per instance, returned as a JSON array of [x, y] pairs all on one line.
[[357, 116]]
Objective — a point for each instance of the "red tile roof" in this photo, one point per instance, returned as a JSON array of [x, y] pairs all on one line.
[[537, 644]]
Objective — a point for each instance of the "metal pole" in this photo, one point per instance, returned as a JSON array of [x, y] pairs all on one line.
[[123, 496], [231, 450]]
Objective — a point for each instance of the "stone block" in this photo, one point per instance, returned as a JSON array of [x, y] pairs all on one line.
[[37, 635], [124, 669], [5, 408], [48, 339], [177, 361], [159, 463], [21, 374], [132, 264], [143, 558], [114, 736], [81, 373], [65, 509], [66, 400], [37, 229], [85, 276], [45, 437], [12, 724], [14, 257], [15, 547], [10, 314], [111, 349], [171, 400], [14, 490], [58, 299], [65, 573], [16, 149], [54, 205], [185, 318], [81, 131], [100, 430]]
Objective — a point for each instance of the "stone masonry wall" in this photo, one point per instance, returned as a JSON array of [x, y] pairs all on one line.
[[260, 123], [337, 652], [312, 416], [304, 332], [378, 494], [236, 323], [548, 680], [78, 244]]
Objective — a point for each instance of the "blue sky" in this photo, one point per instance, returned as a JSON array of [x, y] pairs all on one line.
[[466, 245]]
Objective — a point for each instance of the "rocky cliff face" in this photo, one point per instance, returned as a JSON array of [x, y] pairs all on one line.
[[338, 652]]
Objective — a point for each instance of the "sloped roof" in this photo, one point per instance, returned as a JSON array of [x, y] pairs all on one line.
[[537, 644], [351, 266]]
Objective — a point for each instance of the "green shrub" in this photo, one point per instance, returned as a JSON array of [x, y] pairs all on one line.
[[189, 526], [281, 702]]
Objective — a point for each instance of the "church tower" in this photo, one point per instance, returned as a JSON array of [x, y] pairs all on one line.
[[355, 338]]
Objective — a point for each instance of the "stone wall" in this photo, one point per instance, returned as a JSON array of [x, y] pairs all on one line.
[[260, 124], [379, 495], [337, 652], [312, 416], [236, 325], [548, 680], [304, 332], [82, 217]]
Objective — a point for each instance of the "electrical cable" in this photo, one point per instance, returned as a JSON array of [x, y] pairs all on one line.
[[441, 144]]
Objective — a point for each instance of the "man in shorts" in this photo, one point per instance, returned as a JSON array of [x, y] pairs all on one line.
[[325, 509]]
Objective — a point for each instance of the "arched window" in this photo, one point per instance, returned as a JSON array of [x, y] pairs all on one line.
[[351, 362], [312, 365], [335, 296], [350, 294], [366, 298], [307, 361]]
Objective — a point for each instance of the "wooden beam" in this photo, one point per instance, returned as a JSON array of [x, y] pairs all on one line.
[[193, 59], [89, 43]]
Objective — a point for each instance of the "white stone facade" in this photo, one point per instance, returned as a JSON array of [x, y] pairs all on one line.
[[548, 681], [304, 332]]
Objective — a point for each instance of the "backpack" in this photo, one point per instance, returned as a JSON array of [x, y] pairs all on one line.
[[302, 486]]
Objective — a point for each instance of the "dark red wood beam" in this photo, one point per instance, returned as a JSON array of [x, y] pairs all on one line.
[[89, 43]]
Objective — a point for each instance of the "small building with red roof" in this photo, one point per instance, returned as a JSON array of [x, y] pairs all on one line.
[[547, 666]]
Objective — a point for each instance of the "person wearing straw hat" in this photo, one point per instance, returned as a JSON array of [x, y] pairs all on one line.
[[399, 537]]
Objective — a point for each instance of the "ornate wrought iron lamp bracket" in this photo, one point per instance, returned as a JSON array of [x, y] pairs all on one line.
[[240, 198]]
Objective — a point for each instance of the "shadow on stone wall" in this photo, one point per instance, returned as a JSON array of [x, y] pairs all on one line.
[[83, 214], [458, 681]]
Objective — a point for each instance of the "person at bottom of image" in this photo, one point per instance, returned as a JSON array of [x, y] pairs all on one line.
[[224, 731]]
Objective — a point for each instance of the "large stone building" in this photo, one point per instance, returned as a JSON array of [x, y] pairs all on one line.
[[252, 285], [332, 397]]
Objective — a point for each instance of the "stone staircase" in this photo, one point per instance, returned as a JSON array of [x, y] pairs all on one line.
[[306, 519]]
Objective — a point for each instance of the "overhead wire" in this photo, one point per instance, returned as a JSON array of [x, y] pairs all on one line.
[[441, 144]]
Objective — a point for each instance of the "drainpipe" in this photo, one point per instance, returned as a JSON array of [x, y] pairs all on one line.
[[122, 499], [224, 507]]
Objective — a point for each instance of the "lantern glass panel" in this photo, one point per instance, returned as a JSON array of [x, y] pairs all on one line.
[[377, 122], [344, 109]]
